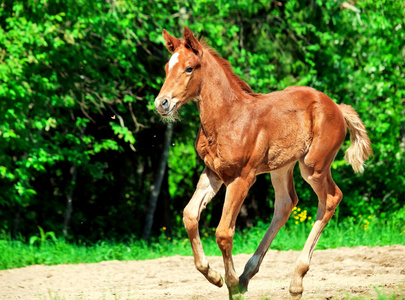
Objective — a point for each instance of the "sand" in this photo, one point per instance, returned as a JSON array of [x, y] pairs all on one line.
[[334, 274]]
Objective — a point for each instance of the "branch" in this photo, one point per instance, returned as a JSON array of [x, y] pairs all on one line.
[[101, 98], [346, 5], [138, 125], [86, 114], [121, 123]]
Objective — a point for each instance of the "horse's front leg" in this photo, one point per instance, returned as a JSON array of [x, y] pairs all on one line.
[[235, 195], [207, 187]]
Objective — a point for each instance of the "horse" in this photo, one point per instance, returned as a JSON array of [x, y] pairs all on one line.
[[243, 134]]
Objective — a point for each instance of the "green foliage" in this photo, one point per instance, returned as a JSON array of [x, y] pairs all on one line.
[[69, 70], [78, 79], [43, 236], [182, 165]]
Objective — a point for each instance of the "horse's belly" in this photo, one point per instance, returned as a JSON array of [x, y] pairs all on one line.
[[287, 151]]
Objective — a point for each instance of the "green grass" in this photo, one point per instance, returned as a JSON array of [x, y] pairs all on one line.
[[350, 232]]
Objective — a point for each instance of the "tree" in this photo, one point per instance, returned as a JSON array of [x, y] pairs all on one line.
[[78, 80]]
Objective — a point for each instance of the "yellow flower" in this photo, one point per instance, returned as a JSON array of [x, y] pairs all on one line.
[[164, 228], [309, 218], [296, 222]]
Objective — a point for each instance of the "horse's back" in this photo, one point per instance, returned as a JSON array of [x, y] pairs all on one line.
[[300, 97], [306, 103]]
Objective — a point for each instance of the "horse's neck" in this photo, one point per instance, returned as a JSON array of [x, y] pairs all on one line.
[[217, 98]]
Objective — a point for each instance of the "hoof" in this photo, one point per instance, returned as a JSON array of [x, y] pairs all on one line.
[[237, 297], [215, 278], [242, 289], [219, 283], [237, 293], [295, 296], [296, 293]]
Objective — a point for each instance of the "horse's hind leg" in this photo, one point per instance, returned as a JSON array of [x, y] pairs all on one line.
[[329, 196], [207, 187], [286, 200], [329, 131]]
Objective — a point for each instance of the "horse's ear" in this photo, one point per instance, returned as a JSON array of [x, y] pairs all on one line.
[[191, 42], [171, 42]]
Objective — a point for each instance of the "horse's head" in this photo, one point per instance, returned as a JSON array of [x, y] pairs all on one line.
[[183, 70]]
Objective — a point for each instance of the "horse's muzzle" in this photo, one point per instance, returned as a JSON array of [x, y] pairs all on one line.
[[165, 106]]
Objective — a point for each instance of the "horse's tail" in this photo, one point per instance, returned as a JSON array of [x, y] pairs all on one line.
[[360, 147]]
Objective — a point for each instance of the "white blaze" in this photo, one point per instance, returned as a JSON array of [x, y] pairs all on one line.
[[173, 60]]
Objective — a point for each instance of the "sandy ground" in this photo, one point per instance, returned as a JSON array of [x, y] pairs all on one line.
[[334, 274]]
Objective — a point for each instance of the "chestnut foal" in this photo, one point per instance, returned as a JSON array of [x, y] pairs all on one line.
[[243, 134]]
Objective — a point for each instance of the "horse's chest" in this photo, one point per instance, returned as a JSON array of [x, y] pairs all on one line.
[[209, 151]]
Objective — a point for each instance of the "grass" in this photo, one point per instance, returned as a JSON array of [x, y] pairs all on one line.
[[381, 295], [351, 232]]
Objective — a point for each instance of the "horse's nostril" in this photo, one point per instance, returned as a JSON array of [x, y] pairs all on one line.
[[165, 104]]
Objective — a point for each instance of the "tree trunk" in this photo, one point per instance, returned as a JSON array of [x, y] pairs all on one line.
[[154, 194], [69, 200], [16, 223]]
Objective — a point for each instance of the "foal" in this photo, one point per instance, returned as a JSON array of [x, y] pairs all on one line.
[[243, 134]]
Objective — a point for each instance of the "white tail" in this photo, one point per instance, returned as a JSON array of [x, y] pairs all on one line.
[[360, 147]]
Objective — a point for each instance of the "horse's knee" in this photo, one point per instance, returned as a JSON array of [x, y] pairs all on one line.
[[190, 219], [224, 238]]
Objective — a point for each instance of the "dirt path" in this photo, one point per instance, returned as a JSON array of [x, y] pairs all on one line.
[[334, 274]]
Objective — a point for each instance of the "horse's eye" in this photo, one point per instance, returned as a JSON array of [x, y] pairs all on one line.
[[189, 70]]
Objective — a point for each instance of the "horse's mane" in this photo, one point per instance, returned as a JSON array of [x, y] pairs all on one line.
[[228, 69]]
